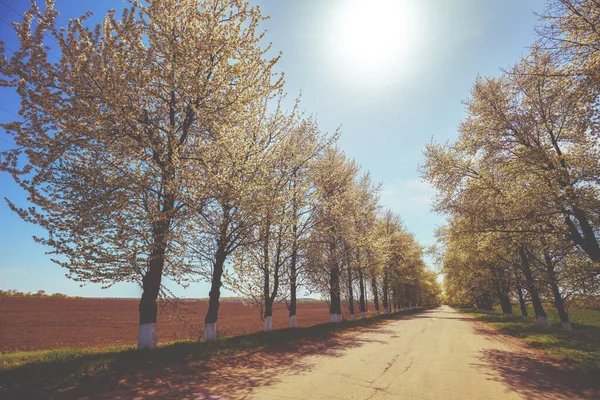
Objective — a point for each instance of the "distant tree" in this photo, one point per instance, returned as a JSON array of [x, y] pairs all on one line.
[[266, 270], [362, 240], [334, 177]]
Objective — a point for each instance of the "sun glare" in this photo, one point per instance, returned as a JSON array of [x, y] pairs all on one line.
[[374, 37]]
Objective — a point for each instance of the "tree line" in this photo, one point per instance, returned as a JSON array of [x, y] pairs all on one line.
[[38, 294], [157, 145], [520, 185]]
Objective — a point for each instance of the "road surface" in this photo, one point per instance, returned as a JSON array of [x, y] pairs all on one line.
[[437, 354]]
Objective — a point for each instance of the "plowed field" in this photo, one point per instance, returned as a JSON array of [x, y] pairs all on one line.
[[46, 323]]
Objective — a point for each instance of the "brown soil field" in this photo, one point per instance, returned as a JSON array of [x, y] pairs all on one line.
[[45, 323]]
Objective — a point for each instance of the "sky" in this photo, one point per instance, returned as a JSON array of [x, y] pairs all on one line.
[[392, 74]]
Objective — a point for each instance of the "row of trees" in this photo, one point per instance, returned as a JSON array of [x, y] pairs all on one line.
[[39, 293], [156, 146], [520, 185]]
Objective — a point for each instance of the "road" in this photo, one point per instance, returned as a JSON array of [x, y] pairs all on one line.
[[437, 354], [434, 354]]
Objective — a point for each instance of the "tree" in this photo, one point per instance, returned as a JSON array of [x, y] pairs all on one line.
[[116, 129], [269, 264], [334, 177], [570, 32], [524, 174], [364, 240]]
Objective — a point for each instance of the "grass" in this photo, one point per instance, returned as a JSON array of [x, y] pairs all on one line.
[[579, 349], [54, 370], [580, 319]]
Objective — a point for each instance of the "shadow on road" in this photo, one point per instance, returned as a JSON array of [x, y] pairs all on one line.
[[230, 368], [229, 375], [533, 376]]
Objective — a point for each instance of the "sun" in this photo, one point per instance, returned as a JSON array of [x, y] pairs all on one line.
[[374, 37]]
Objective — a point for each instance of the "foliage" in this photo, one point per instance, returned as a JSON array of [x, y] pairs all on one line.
[[156, 144], [520, 185]]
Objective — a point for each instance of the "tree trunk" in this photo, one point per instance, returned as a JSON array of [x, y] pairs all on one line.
[[268, 314], [385, 293], [375, 294], [361, 286], [335, 308], [148, 335], [487, 299], [522, 303], [268, 311], [560, 307], [484, 302], [350, 294], [366, 300], [402, 295], [558, 300], [210, 321], [586, 238], [293, 288], [540, 315], [502, 289], [293, 260], [505, 302]]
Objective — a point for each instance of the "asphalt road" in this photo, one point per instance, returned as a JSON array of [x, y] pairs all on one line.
[[437, 354]]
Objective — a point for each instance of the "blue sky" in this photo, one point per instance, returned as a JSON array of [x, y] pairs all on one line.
[[390, 98]]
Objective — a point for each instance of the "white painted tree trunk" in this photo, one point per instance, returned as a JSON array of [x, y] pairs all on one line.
[[385, 311], [377, 312], [210, 331], [567, 326], [148, 336], [542, 320], [351, 317], [333, 317], [268, 324], [363, 315], [293, 322]]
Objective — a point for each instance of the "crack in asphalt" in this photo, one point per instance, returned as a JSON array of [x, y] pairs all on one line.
[[397, 376], [407, 368], [390, 364], [377, 390]]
